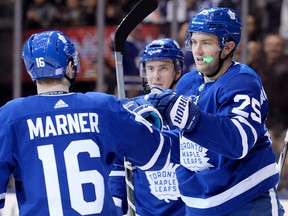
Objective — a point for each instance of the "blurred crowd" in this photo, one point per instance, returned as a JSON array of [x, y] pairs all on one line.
[[267, 48], [63, 13], [55, 13]]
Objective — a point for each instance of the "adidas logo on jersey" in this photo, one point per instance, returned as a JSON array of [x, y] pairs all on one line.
[[60, 104]]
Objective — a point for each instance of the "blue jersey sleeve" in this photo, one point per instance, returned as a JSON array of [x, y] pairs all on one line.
[[117, 184], [173, 133], [7, 163], [123, 122]]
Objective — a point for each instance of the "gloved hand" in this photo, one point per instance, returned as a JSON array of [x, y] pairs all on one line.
[[145, 109], [175, 109]]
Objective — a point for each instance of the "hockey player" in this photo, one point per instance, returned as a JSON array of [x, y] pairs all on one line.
[[227, 164], [155, 192], [60, 146]]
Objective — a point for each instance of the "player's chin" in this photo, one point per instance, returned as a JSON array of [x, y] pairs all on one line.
[[158, 85], [201, 67]]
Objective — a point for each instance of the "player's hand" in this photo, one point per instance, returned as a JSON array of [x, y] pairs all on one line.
[[175, 109], [145, 109]]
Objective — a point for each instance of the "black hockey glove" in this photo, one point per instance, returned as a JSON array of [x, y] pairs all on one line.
[[175, 109]]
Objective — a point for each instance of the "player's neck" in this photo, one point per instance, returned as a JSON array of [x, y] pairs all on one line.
[[44, 89], [226, 65]]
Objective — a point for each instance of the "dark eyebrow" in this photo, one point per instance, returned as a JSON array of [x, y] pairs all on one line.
[[169, 61], [205, 40]]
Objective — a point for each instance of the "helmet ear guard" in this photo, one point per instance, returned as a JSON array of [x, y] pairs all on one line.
[[70, 51]]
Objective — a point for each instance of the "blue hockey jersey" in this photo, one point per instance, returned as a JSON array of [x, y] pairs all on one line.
[[61, 148], [227, 159], [155, 192]]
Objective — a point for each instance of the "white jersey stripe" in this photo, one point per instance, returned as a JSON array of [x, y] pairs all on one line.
[[243, 137], [243, 120], [233, 192], [155, 156], [2, 196], [274, 203], [117, 173]]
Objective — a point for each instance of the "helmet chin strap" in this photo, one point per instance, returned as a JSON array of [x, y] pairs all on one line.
[[71, 80], [221, 61], [145, 86], [174, 81]]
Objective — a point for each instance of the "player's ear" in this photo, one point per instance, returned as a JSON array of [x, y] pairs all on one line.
[[178, 74], [229, 46], [70, 70]]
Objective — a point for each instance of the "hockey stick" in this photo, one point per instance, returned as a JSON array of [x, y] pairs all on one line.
[[283, 155], [141, 10]]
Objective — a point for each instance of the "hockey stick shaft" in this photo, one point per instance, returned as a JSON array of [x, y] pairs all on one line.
[[120, 74], [141, 10], [283, 154]]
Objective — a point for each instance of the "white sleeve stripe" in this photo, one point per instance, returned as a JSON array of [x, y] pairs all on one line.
[[117, 201], [273, 201], [168, 159], [117, 173], [233, 192], [243, 120], [243, 137], [155, 156], [2, 196]]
